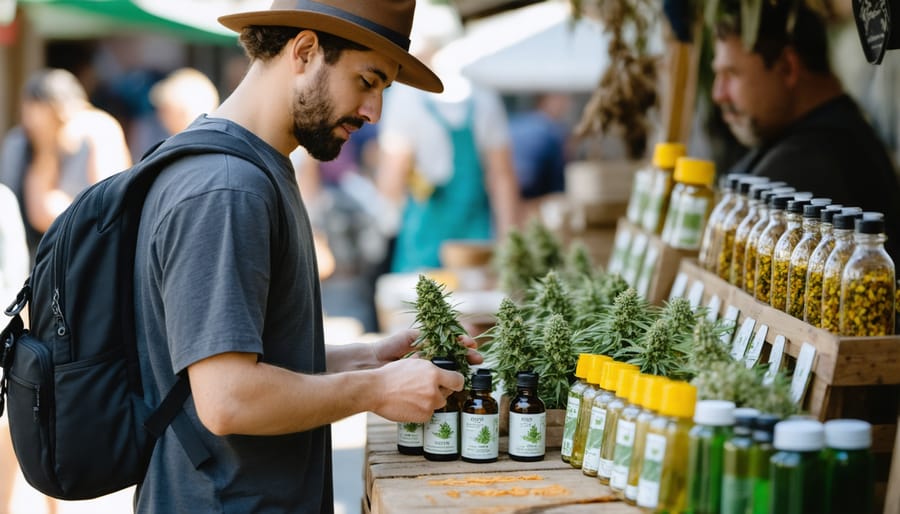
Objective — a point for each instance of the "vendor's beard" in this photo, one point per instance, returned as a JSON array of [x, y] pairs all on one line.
[[742, 126], [313, 128]]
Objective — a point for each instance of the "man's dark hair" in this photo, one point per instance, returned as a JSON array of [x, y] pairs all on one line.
[[265, 42], [807, 37]]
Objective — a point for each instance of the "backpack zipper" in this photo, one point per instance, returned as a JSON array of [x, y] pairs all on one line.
[[61, 330], [41, 354]]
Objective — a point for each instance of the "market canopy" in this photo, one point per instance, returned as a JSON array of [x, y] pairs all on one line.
[[193, 20]]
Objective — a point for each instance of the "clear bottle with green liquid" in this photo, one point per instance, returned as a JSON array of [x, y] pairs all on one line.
[[849, 467], [713, 420], [796, 468], [760, 454], [597, 425], [650, 397], [623, 375], [573, 403], [584, 411], [737, 483], [626, 428]]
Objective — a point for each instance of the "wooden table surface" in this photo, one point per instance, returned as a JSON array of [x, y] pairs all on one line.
[[406, 484]]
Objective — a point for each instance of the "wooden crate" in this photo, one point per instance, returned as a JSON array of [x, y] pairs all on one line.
[[653, 273], [852, 377]]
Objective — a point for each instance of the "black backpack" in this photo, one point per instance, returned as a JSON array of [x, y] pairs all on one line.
[[80, 425]]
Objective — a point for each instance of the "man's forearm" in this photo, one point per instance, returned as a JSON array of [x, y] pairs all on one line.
[[350, 357]]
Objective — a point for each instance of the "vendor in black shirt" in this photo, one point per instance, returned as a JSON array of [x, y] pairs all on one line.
[[782, 100]]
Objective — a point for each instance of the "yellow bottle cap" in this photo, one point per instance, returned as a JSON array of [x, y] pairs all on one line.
[[641, 385], [611, 375], [695, 171], [595, 373], [665, 154], [678, 400], [626, 382], [581, 368], [653, 393]]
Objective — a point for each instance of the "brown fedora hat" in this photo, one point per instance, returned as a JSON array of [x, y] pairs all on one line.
[[381, 25]]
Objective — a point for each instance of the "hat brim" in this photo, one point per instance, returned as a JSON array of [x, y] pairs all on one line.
[[412, 70]]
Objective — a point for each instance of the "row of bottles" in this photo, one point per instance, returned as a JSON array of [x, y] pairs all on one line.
[[657, 447], [817, 261], [673, 197], [470, 428]]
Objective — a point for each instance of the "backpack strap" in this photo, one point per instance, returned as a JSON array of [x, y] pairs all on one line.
[[194, 142]]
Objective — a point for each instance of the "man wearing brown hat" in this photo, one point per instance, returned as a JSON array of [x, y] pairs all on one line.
[[226, 288]]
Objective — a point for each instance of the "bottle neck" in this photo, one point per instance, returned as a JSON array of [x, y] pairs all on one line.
[[826, 229], [793, 219], [776, 216], [811, 225], [869, 241], [843, 236]]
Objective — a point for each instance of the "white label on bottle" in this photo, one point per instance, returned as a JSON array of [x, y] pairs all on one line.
[[410, 435], [527, 434], [622, 456], [620, 251], [687, 228], [594, 441], [679, 286], [742, 339], [572, 406], [441, 433], [651, 471], [480, 436], [776, 356], [756, 346]]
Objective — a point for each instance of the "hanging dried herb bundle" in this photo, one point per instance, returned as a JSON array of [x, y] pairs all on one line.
[[515, 265], [628, 88], [556, 363], [625, 322], [438, 324], [546, 249], [511, 349], [549, 296]]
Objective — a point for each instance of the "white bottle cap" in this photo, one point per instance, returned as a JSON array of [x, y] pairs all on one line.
[[717, 413], [800, 435], [848, 434]]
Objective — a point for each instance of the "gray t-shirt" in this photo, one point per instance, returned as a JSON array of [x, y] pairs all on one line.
[[205, 284]]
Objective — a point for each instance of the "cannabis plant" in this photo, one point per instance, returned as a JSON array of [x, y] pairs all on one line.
[[556, 363], [546, 249], [610, 286], [515, 265], [438, 324], [579, 264], [548, 296], [734, 381], [510, 349], [659, 351], [707, 347], [625, 322], [775, 398]]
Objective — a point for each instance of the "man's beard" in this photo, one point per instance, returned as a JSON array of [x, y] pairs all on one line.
[[742, 126], [312, 113]]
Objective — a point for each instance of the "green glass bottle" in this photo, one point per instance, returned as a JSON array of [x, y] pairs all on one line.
[[737, 483], [760, 454], [796, 468], [849, 467], [713, 421]]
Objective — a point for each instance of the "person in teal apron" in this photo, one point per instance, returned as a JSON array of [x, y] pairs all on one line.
[[458, 209]]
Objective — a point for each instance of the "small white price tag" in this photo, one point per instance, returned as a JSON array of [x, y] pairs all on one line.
[[712, 308], [648, 269], [679, 286], [620, 250], [742, 339], [802, 371], [776, 357], [756, 346], [730, 321], [696, 295]]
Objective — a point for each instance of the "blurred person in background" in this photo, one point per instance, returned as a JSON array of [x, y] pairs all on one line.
[[14, 268], [783, 101], [539, 138], [445, 160], [63, 145]]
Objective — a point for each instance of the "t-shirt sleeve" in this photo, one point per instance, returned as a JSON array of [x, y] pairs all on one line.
[[214, 259], [491, 124]]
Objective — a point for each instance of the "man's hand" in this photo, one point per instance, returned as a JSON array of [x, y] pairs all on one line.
[[399, 345], [411, 389]]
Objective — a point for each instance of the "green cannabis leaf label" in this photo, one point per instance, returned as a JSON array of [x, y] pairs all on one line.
[[651, 470], [410, 427], [483, 437], [622, 455], [533, 436], [444, 432], [594, 439]]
